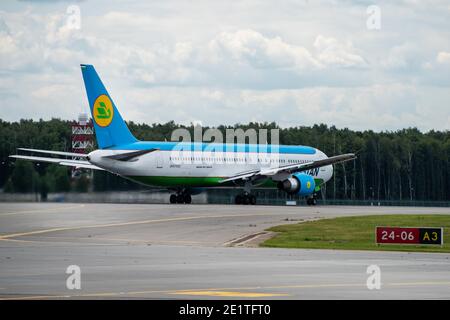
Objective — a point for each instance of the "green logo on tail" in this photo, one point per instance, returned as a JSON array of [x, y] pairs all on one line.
[[103, 112]]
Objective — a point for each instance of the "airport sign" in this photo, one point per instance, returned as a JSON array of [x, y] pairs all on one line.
[[406, 235]]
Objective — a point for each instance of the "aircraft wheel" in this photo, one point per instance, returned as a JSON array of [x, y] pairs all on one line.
[[180, 198], [246, 199], [252, 199], [308, 201], [314, 201], [173, 198], [238, 199], [187, 198]]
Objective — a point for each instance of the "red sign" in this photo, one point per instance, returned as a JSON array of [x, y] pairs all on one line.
[[409, 235]]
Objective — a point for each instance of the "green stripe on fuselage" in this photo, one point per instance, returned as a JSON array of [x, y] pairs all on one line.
[[170, 181]]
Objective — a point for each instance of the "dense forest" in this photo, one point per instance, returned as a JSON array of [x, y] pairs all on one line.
[[401, 165]]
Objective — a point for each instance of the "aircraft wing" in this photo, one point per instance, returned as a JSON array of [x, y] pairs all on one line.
[[64, 162], [292, 168]]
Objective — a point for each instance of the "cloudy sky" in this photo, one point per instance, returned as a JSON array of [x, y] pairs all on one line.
[[296, 62]]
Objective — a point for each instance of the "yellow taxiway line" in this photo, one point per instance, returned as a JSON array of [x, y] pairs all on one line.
[[216, 292], [121, 224], [229, 294], [41, 210]]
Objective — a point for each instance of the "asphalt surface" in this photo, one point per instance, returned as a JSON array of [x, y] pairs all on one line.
[[197, 251]]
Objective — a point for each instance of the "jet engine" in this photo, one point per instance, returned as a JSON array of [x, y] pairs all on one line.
[[299, 183]]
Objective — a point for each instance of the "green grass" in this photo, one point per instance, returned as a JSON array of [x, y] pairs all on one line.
[[355, 233]]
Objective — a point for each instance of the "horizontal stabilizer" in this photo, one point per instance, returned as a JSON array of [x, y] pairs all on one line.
[[64, 162], [59, 153]]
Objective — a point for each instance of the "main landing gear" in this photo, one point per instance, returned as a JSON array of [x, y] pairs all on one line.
[[181, 197], [311, 201], [245, 198]]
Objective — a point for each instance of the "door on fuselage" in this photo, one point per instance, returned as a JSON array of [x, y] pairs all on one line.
[[159, 160]]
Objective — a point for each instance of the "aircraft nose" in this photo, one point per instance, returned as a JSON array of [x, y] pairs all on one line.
[[321, 154]]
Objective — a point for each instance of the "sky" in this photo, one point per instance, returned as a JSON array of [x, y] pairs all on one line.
[[296, 62]]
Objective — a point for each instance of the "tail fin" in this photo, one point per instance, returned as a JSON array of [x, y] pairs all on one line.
[[110, 129]]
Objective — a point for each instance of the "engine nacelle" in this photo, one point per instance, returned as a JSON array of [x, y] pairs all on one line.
[[299, 183]]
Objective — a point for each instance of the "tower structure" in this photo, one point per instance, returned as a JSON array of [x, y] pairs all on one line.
[[82, 140], [82, 134]]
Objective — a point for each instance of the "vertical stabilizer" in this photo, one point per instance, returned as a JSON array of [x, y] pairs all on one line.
[[110, 129]]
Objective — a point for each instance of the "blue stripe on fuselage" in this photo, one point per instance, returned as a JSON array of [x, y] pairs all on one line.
[[198, 146]]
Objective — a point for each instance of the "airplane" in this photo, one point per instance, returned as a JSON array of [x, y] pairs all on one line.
[[187, 168]]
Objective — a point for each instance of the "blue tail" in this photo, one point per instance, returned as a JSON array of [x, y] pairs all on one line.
[[110, 129]]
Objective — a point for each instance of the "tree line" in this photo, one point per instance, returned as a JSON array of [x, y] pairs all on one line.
[[405, 164]]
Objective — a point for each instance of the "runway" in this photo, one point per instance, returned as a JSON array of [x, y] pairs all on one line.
[[197, 251]]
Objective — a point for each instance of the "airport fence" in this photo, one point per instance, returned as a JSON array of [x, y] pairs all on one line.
[[211, 196], [263, 198], [98, 197]]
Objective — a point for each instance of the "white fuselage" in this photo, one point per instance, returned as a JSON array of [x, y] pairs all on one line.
[[196, 164]]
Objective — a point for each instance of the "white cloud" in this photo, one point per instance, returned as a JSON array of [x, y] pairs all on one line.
[[443, 57], [252, 48], [377, 107], [294, 63], [332, 52], [7, 44], [402, 56]]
